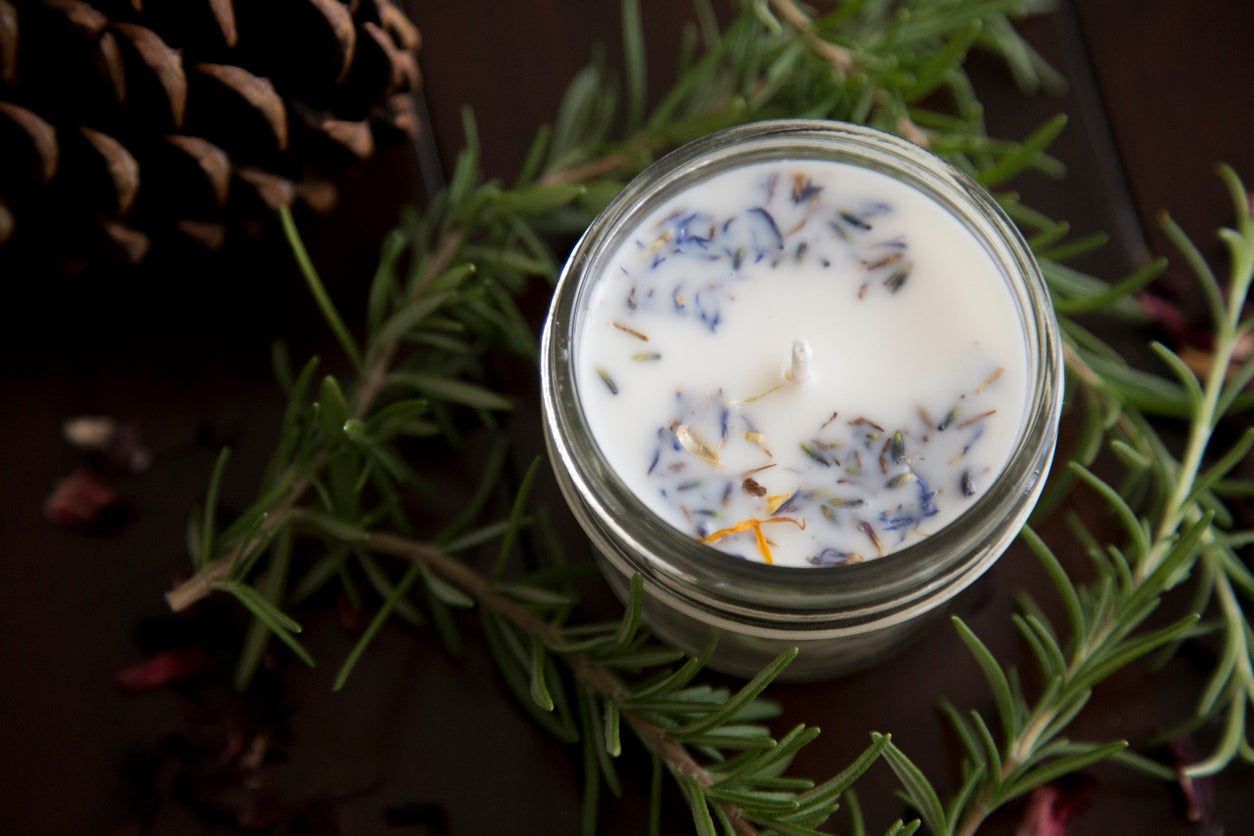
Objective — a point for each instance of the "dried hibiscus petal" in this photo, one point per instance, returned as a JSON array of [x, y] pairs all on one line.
[[84, 500], [162, 669], [1199, 793], [1054, 807]]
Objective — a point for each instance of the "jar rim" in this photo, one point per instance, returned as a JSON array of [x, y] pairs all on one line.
[[636, 540]]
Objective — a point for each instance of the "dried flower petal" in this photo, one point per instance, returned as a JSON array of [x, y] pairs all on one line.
[[162, 669], [694, 445], [1199, 793], [755, 526], [121, 445], [89, 432], [1053, 808], [83, 500]]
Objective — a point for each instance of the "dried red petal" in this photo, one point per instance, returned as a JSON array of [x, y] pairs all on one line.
[[1053, 808], [1199, 793], [1165, 314], [81, 500], [162, 669]]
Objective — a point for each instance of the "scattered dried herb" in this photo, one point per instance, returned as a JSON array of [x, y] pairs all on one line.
[[812, 453], [970, 422], [869, 530], [696, 446], [898, 277], [626, 329], [752, 487], [607, 380]]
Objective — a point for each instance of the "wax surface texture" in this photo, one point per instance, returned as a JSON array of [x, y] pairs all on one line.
[[912, 386]]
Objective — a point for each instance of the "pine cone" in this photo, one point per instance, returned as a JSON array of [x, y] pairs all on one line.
[[129, 123]]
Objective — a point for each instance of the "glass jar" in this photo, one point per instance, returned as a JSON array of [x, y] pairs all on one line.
[[842, 618]]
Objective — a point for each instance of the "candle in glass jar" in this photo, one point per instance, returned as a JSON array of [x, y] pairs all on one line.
[[803, 363]]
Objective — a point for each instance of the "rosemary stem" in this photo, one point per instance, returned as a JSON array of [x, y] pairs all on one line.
[[593, 169], [1175, 511], [1202, 425], [202, 583], [379, 363], [374, 371], [373, 375], [597, 678], [839, 57], [794, 16]]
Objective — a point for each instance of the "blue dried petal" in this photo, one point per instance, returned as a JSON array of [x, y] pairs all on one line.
[[979, 431], [804, 190], [927, 496], [828, 557], [776, 236], [793, 502], [854, 221], [898, 522], [871, 208], [707, 311]]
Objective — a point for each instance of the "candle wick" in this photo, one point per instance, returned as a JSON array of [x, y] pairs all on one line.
[[799, 366]]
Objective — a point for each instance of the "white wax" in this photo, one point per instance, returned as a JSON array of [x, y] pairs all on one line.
[[914, 387]]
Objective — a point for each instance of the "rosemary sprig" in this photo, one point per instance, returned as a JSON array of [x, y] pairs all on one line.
[[1162, 546], [443, 298], [661, 709]]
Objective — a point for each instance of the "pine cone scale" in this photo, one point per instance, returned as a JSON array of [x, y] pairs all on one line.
[[257, 93], [165, 64], [41, 136], [210, 160], [8, 42], [223, 12], [120, 168], [135, 122], [340, 20]]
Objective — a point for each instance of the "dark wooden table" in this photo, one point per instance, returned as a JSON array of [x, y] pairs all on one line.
[[1160, 91]]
